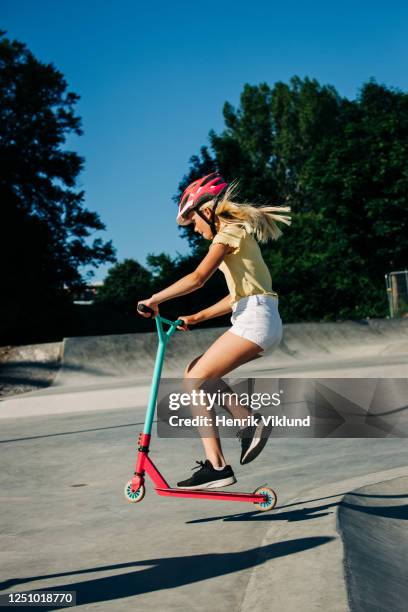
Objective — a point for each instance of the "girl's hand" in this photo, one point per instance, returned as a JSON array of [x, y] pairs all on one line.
[[151, 305], [188, 320]]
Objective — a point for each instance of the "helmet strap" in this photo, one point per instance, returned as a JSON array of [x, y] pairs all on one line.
[[210, 222]]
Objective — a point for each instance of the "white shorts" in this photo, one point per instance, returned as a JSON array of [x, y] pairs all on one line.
[[257, 319]]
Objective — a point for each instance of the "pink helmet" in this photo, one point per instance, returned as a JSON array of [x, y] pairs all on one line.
[[198, 192]]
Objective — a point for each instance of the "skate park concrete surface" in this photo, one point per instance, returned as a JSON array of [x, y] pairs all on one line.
[[337, 538]]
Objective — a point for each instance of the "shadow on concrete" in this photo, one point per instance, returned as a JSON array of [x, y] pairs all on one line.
[[23, 376], [166, 573], [45, 365], [35, 367], [18, 378], [373, 495], [298, 514], [394, 512], [303, 514]]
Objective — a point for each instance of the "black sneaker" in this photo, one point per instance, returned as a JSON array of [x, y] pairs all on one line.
[[253, 440], [208, 478]]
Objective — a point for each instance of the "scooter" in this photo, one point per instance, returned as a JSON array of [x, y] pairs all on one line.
[[263, 497]]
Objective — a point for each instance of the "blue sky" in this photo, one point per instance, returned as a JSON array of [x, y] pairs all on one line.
[[153, 77]]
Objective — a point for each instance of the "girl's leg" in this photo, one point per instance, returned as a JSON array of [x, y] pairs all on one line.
[[224, 355], [236, 410]]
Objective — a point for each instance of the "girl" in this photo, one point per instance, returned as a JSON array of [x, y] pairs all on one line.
[[234, 230]]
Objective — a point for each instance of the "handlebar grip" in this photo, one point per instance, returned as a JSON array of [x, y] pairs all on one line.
[[146, 309]]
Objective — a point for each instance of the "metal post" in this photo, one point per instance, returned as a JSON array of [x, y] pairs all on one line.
[[388, 288], [394, 294]]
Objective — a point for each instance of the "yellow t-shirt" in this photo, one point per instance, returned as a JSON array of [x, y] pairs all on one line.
[[244, 269]]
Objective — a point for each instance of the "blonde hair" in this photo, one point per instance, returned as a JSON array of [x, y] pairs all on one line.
[[258, 220]]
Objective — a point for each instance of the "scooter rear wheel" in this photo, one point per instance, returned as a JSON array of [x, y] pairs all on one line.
[[134, 496], [270, 499]]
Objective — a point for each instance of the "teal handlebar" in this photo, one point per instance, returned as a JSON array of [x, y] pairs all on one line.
[[164, 336], [146, 309], [175, 323]]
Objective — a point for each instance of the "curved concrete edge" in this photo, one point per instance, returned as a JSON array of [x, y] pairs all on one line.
[[88, 359], [312, 579], [373, 525], [40, 353], [26, 368]]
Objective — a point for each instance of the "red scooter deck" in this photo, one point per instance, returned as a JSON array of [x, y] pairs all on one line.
[[211, 494]]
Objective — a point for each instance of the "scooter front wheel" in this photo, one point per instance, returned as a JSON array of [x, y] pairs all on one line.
[[270, 499], [134, 496]]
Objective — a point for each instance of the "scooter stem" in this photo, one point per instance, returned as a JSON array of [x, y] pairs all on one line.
[[164, 337]]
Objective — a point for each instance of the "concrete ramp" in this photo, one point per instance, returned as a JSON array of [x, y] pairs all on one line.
[[86, 360], [316, 581], [369, 348], [374, 525], [369, 336], [27, 368]]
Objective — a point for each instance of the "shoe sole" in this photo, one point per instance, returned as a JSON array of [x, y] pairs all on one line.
[[257, 444], [225, 482]]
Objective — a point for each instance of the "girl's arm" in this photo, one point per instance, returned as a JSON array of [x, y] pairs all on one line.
[[222, 307], [216, 310], [191, 282]]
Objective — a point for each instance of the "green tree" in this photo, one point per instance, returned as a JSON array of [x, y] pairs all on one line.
[[125, 284], [358, 181], [342, 166], [46, 228]]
